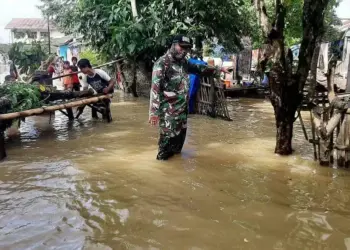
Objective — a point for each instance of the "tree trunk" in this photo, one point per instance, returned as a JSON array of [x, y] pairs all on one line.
[[285, 99], [3, 125], [2, 146], [285, 88], [198, 43], [313, 30], [313, 72], [122, 76], [284, 135], [133, 87], [144, 78]]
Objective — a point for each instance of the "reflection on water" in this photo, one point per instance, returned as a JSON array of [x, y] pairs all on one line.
[[90, 185]]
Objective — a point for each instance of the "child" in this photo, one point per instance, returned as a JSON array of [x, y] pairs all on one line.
[[67, 80], [75, 78]]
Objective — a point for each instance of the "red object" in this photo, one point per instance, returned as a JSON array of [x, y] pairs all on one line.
[[51, 69], [75, 77]]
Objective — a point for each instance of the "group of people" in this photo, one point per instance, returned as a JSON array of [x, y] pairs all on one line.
[[69, 72], [97, 79]]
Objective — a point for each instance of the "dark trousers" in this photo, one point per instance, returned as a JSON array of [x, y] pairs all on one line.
[[76, 86], [105, 103], [168, 146]]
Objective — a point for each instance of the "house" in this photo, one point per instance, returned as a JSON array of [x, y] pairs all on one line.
[[345, 26], [68, 47], [31, 29]]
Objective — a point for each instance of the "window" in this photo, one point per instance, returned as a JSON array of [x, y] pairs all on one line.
[[18, 34], [44, 34], [32, 35]]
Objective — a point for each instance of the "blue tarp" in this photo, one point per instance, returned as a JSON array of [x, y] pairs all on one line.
[[63, 51], [265, 81], [194, 85]]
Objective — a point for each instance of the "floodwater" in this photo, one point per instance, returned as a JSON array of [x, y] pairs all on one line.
[[91, 185]]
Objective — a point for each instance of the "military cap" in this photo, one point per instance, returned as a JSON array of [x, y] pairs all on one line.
[[183, 41]]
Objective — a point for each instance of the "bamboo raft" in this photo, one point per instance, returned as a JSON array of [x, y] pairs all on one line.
[[98, 104], [76, 99], [49, 109]]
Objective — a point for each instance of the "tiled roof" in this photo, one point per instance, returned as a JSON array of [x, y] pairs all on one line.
[[29, 24]]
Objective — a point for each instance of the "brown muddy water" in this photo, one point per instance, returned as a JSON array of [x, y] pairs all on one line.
[[91, 185]]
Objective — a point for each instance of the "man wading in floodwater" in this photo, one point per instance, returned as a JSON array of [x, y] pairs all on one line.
[[99, 81], [169, 96]]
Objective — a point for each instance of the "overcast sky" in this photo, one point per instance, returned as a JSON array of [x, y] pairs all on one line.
[[27, 8]]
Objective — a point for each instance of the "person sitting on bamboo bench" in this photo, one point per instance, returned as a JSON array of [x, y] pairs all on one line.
[[99, 81]]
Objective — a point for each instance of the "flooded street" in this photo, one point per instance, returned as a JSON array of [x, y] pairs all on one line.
[[92, 185]]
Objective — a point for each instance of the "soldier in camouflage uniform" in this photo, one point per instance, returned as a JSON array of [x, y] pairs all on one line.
[[169, 96]]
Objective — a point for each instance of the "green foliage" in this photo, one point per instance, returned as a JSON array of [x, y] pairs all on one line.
[[293, 24], [22, 96], [294, 29], [331, 21], [109, 27], [27, 56], [92, 56], [208, 49]]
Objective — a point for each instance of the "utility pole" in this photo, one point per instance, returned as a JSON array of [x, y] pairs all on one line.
[[133, 8], [48, 32]]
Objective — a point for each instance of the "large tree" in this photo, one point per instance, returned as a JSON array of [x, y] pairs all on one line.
[[293, 31], [286, 86]]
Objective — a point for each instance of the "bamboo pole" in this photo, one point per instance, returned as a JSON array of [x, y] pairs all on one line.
[[41, 110], [313, 133], [99, 66], [330, 82]]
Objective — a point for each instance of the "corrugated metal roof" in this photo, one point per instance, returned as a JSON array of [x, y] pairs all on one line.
[[29, 24], [345, 24], [61, 41]]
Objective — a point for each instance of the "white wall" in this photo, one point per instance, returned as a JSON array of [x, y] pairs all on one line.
[[25, 39], [56, 34]]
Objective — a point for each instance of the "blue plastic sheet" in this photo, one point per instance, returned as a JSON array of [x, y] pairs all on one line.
[[194, 85]]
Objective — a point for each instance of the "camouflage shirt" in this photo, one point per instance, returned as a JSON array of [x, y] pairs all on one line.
[[170, 85]]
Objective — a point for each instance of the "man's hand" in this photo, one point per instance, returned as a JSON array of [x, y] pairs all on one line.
[[106, 90], [225, 71], [154, 120]]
